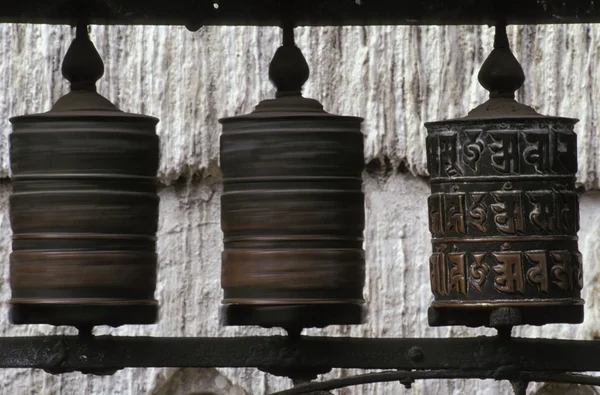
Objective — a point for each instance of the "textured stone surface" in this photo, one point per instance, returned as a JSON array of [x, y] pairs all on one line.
[[396, 78], [562, 389]]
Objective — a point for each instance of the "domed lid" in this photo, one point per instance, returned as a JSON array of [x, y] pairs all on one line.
[[82, 67], [502, 75], [288, 71]]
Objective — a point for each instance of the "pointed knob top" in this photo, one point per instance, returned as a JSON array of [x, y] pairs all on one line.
[[82, 64], [501, 74], [288, 70]]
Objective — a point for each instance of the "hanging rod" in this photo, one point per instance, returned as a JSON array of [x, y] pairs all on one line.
[[306, 12]]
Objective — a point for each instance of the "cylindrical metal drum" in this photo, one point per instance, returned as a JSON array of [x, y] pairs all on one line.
[[292, 216], [84, 208], [292, 210], [503, 212]]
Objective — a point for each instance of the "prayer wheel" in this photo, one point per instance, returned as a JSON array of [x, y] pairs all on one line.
[[292, 208], [84, 207], [503, 212]]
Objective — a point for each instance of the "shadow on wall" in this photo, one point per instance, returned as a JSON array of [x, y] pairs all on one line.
[[189, 381], [560, 389]]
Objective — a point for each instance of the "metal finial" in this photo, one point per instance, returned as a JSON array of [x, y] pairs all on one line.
[[501, 73], [288, 70], [82, 65]]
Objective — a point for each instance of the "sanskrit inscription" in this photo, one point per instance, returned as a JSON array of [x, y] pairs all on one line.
[[449, 154], [436, 214], [562, 269], [477, 211], [455, 213], [566, 149], [479, 271], [438, 276], [537, 151], [543, 213], [540, 151], [509, 273], [504, 217], [473, 148], [509, 213], [538, 272], [458, 275], [505, 152]]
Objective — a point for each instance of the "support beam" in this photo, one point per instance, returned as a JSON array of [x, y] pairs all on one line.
[[195, 13], [282, 355]]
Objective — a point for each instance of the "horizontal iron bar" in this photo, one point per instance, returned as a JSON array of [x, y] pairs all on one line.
[[195, 13], [280, 355]]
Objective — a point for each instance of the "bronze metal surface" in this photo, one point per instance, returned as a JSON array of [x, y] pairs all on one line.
[[292, 210], [503, 212], [84, 207]]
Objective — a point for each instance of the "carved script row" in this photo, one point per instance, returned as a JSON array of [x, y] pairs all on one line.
[[480, 153], [503, 213], [508, 273]]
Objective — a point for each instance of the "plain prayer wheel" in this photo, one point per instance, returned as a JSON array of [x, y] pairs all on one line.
[[292, 209], [84, 207]]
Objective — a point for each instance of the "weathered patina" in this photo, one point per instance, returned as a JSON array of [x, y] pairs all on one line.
[[292, 210], [503, 212], [84, 207]]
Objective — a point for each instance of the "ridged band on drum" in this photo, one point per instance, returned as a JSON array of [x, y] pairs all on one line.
[[84, 214], [74, 276], [116, 144], [504, 217]]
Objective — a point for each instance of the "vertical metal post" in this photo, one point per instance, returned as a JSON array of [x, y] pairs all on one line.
[[520, 387]]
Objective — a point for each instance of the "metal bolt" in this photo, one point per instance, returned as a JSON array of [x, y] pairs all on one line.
[[58, 354], [415, 354], [505, 316]]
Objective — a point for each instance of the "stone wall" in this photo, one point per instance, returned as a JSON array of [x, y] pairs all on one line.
[[395, 77]]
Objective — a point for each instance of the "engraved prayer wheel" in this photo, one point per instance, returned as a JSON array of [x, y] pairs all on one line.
[[84, 207], [292, 208], [503, 212]]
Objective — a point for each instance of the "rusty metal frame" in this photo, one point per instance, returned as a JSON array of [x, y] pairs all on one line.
[[502, 357], [197, 13], [519, 360]]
